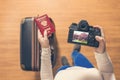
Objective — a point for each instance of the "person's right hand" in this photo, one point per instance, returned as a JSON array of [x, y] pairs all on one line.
[[43, 39], [102, 44]]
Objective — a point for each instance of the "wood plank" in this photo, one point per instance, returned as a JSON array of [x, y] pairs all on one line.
[[98, 12]]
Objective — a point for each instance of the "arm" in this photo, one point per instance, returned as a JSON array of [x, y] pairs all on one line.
[[103, 60], [46, 67]]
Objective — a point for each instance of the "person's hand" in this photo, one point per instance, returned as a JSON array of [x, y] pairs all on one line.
[[43, 39], [102, 45]]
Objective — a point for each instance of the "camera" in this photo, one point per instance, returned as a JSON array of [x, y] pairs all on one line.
[[83, 33]]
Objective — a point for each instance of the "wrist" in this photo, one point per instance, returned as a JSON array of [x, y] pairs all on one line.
[[45, 45], [100, 52]]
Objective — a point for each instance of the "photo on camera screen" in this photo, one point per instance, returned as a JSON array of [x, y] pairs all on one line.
[[80, 37]]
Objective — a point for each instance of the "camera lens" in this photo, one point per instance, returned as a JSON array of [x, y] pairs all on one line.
[[83, 25]]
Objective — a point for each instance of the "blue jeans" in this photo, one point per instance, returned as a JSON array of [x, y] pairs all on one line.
[[78, 60]]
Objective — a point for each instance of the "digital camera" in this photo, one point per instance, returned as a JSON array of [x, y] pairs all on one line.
[[83, 33]]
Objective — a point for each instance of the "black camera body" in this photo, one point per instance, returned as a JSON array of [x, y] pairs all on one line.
[[83, 33]]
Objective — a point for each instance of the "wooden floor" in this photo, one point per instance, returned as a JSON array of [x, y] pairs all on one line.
[[98, 12]]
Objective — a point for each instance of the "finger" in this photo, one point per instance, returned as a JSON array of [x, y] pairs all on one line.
[[102, 33]]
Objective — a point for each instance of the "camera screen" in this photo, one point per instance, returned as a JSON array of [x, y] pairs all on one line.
[[80, 37]]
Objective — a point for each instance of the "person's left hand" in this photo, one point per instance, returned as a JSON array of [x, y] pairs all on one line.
[[43, 39]]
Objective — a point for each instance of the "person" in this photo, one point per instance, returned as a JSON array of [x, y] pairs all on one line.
[[82, 68]]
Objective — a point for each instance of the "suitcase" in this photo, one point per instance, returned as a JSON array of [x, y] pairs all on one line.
[[30, 49]]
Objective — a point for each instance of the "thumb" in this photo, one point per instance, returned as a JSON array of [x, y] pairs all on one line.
[[102, 46], [39, 35], [45, 34], [99, 39]]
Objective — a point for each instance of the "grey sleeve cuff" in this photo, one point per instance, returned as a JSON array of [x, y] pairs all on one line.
[[46, 52]]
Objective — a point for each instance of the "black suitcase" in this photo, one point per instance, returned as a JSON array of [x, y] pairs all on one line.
[[30, 49]]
